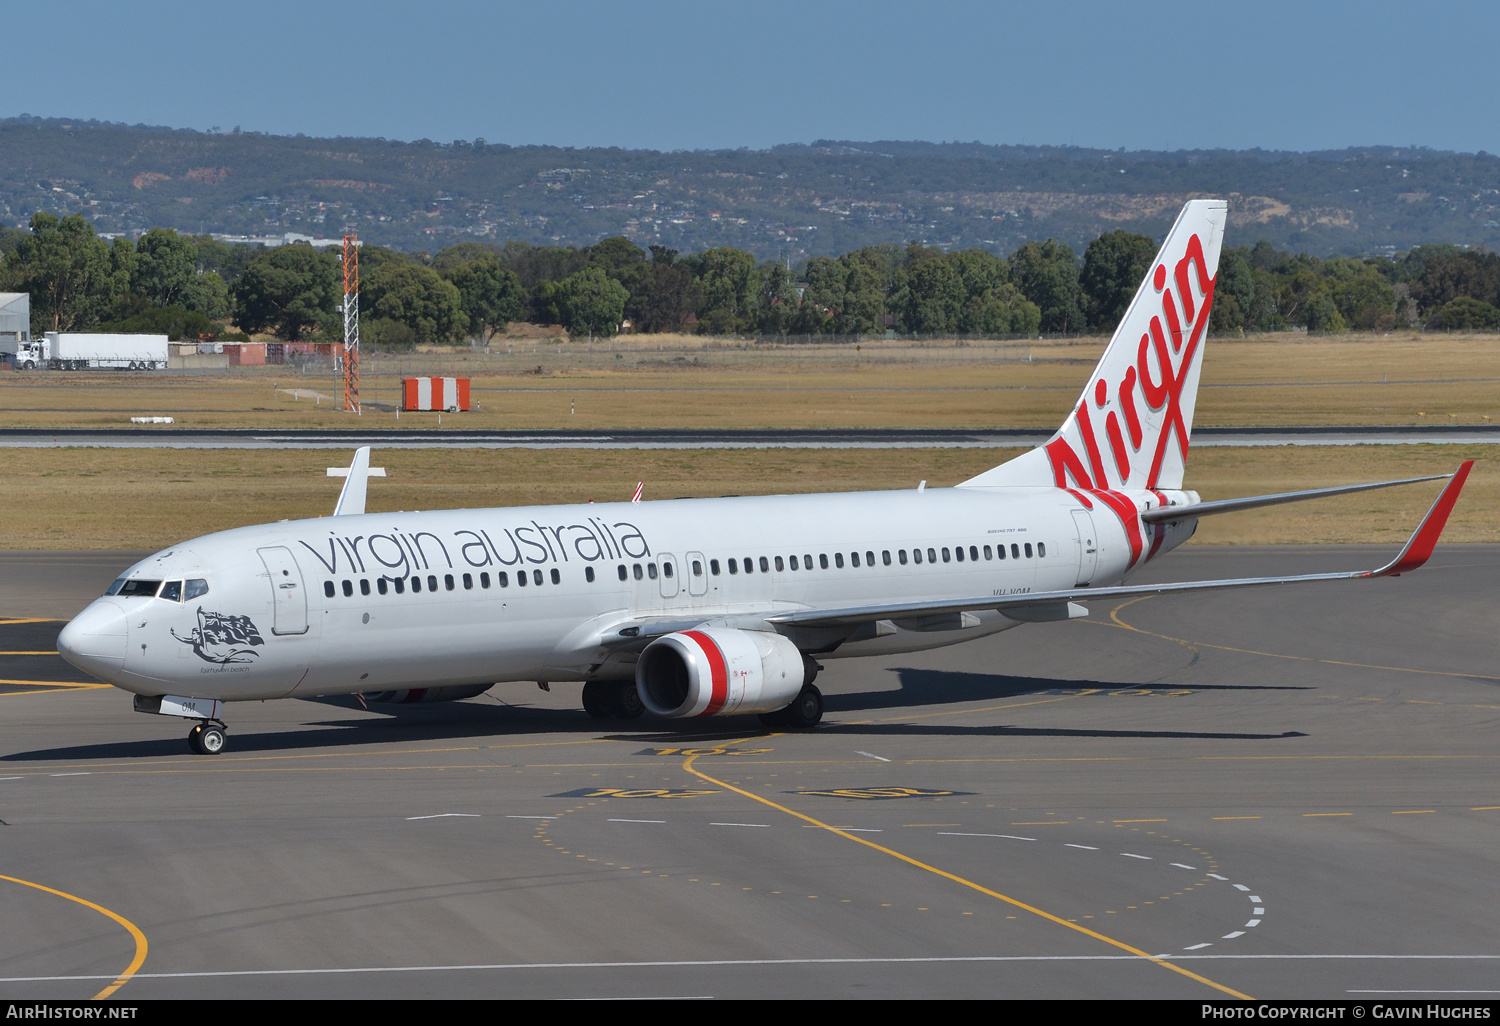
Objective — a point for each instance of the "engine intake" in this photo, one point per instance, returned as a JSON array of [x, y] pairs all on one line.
[[717, 671]]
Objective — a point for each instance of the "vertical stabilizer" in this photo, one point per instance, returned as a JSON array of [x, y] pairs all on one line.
[[352, 498], [1130, 428]]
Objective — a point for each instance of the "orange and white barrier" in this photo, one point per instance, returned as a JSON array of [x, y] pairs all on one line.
[[445, 394]]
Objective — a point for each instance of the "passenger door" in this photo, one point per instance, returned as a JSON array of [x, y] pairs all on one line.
[[287, 591]]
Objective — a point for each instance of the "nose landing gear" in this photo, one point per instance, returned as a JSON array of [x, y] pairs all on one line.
[[207, 738]]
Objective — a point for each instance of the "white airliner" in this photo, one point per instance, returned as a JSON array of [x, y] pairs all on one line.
[[696, 607]]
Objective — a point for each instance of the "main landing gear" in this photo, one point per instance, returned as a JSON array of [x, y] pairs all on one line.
[[207, 738], [612, 700], [805, 712]]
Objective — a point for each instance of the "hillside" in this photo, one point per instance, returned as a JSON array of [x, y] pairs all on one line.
[[793, 201]]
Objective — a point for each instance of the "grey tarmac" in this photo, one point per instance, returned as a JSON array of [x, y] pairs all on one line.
[[1280, 793], [838, 438]]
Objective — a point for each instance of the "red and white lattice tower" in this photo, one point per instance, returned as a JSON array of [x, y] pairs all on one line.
[[351, 323]]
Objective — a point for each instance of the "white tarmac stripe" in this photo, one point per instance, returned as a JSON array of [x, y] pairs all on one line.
[[1238, 887], [1232, 936], [446, 815], [872, 755], [530, 817], [512, 966], [1085, 847], [1252, 923], [1129, 855], [637, 821], [1255, 898], [1008, 837], [84, 774], [1259, 912], [1216, 876], [766, 826], [1179, 865], [1195, 947]]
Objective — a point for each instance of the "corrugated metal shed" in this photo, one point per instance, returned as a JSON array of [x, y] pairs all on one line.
[[15, 316]]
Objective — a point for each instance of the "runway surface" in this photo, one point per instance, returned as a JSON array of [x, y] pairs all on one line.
[[1275, 793], [895, 438]]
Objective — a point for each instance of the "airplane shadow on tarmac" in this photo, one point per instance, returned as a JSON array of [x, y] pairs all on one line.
[[486, 720]]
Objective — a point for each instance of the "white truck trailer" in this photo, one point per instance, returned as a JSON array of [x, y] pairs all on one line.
[[81, 350]]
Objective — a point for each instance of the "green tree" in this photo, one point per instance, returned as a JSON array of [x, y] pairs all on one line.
[[490, 294], [417, 296], [289, 290], [663, 295], [730, 285], [66, 268], [165, 265], [1234, 292], [1047, 274], [1114, 265], [592, 303], [932, 297], [1465, 313]]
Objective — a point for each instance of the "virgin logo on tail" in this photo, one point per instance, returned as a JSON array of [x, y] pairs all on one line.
[[1130, 428]]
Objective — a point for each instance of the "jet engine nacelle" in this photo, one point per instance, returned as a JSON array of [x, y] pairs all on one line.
[[716, 671]]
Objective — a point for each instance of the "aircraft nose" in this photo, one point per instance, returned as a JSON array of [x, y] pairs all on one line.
[[94, 640]]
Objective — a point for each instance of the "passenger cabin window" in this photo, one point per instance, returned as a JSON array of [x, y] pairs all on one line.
[[328, 588], [588, 574], [1041, 550], [503, 579], [468, 582], [536, 577], [448, 581], [713, 567], [348, 587], [794, 562], [946, 557], [734, 567], [870, 558], [854, 559], [556, 576], [364, 585], [520, 578], [1028, 550], [885, 557], [765, 567], [635, 568], [902, 555], [416, 584], [651, 570], [697, 568], [484, 580], [838, 560], [400, 583], [623, 573], [958, 553], [1015, 551], [666, 569], [988, 553], [916, 555], [198, 587], [381, 585], [432, 582], [780, 566], [931, 556], [807, 560]]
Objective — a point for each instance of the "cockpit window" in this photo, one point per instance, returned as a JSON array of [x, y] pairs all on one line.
[[196, 588], [171, 590], [138, 589]]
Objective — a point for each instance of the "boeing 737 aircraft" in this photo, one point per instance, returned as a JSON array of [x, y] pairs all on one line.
[[697, 607]]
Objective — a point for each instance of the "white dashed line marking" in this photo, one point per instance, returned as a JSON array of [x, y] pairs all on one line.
[[1252, 924], [1259, 912], [637, 821], [1232, 936], [1179, 865], [872, 755], [69, 774], [446, 815], [1216, 876], [765, 825], [530, 817], [1008, 837], [1255, 898], [1130, 855], [1238, 887], [860, 830], [1195, 947], [1085, 847], [12, 778]]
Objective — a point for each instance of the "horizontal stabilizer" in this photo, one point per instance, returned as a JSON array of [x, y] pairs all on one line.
[[1166, 514], [1416, 552]]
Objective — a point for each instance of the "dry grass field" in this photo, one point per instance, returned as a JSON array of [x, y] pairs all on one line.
[[691, 382], [151, 498]]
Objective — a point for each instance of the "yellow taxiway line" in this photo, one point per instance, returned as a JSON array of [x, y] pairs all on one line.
[[140, 938]]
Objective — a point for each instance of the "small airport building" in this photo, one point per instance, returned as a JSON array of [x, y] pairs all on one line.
[[15, 317]]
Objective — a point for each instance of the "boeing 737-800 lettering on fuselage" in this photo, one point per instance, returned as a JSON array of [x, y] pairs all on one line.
[[697, 607]]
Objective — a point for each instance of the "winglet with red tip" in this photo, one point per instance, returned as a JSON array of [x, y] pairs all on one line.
[[1425, 538]]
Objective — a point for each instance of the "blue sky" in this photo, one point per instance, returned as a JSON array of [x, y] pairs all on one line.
[[679, 75]]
